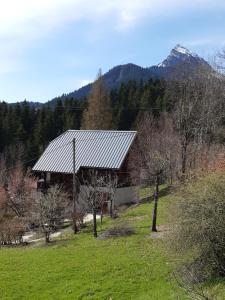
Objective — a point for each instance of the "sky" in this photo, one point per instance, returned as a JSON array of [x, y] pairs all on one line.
[[51, 47]]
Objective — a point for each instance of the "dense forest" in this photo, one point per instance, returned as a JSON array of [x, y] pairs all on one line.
[[32, 128]]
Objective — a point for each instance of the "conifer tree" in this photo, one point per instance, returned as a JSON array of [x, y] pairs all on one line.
[[98, 116]]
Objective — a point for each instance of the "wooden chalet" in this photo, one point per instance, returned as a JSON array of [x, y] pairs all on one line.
[[104, 150]]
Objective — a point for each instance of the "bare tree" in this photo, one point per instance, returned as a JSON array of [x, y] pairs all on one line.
[[19, 188], [218, 62], [16, 194], [110, 183], [17, 191], [3, 202], [49, 210], [98, 189], [155, 153], [92, 182], [198, 105], [2, 170], [98, 114]]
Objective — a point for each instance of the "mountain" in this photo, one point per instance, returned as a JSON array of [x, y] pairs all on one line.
[[181, 54], [178, 58], [113, 79]]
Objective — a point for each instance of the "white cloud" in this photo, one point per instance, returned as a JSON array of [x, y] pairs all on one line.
[[39, 16], [72, 83], [22, 22], [83, 82]]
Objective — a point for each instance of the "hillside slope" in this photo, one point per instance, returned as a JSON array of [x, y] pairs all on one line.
[[81, 267]]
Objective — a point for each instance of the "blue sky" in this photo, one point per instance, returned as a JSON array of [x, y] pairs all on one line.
[[50, 47]]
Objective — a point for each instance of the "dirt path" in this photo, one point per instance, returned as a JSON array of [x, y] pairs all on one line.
[[31, 237]]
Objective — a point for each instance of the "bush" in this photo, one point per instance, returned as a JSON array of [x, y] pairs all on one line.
[[11, 231], [49, 210], [198, 223]]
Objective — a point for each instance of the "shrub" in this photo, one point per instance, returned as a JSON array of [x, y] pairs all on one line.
[[49, 210], [11, 231], [198, 223]]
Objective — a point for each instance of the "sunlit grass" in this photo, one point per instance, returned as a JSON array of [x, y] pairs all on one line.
[[81, 267]]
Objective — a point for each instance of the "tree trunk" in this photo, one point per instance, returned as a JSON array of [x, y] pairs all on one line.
[[184, 159], [111, 208], [94, 223], [156, 197], [47, 239], [101, 214], [75, 229]]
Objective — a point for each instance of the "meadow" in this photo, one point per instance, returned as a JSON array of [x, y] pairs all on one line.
[[135, 267]]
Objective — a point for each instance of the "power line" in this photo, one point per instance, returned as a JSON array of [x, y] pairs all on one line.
[[34, 158], [108, 109], [62, 146]]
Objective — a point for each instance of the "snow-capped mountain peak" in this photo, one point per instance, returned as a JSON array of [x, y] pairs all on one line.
[[177, 55], [182, 50]]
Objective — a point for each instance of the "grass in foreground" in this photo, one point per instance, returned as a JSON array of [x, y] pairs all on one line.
[[81, 267]]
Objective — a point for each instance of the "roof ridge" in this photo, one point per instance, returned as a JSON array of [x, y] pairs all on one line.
[[91, 130], [99, 130]]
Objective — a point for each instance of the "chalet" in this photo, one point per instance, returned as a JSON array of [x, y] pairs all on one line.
[[103, 150]]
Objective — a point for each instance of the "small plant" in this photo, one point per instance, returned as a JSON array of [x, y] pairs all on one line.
[[49, 210], [11, 231]]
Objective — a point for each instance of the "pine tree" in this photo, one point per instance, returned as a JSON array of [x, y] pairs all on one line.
[[98, 116]]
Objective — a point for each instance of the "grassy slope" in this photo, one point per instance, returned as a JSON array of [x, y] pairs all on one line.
[[80, 267]]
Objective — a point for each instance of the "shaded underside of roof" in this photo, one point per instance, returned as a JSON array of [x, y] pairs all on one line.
[[93, 148]]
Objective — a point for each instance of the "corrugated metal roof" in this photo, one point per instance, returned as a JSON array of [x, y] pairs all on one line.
[[94, 148]]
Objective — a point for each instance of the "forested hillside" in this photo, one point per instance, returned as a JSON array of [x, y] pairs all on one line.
[[32, 128]]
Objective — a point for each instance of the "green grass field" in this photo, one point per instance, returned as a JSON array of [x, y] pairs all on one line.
[[80, 267]]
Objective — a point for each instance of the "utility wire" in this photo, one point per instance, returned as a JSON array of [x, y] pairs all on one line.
[[32, 159], [64, 145], [109, 109]]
